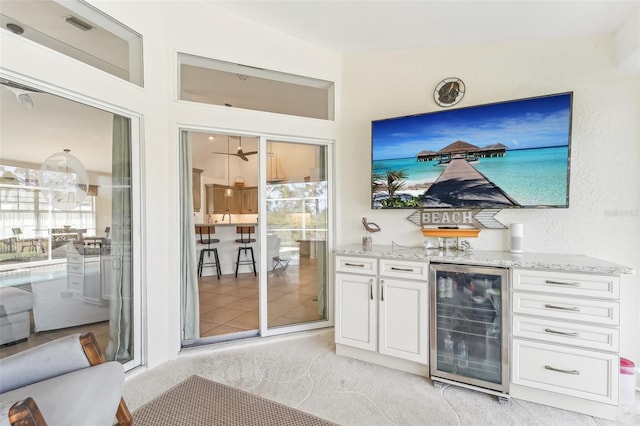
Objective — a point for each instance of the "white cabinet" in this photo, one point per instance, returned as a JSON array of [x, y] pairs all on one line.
[[403, 327], [565, 329], [403, 319], [565, 370], [356, 317], [75, 269], [383, 311]]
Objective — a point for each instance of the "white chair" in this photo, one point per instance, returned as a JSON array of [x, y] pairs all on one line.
[[278, 263], [62, 382]]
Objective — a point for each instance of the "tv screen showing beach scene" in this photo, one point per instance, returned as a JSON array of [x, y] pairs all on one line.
[[513, 154]]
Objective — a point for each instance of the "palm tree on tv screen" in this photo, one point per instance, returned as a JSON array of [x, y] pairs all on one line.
[[392, 181]]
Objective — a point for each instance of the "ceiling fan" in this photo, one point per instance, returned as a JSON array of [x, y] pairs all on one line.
[[239, 151]]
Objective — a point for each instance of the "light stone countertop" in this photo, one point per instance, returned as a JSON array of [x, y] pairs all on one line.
[[504, 259]]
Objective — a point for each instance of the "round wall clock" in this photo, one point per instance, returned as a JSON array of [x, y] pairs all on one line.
[[449, 92]]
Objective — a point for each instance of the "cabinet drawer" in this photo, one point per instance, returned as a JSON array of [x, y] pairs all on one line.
[[357, 265], [75, 282], [404, 269], [570, 284], [567, 308], [576, 372], [75, 268], [567, 333], [75, 258]]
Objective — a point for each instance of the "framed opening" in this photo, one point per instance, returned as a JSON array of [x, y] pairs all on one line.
[[222, 83], [80, 31]]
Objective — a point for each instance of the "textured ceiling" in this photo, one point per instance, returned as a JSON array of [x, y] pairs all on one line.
[[357, 26]]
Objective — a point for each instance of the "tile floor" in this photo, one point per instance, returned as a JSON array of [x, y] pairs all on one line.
[[230, 304]]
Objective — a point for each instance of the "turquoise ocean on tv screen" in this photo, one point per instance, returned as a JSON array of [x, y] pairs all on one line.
[[533, 177]]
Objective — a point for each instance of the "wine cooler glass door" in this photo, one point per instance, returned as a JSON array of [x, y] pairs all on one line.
[[468, 342]]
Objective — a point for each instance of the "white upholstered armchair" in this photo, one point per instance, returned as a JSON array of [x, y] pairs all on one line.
[[62, 382]]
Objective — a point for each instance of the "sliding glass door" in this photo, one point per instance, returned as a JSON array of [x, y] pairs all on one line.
[[69, 224], [297, 231], [276, 281]]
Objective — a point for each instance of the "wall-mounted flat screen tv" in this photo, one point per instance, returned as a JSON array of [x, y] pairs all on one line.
[[513, 154]]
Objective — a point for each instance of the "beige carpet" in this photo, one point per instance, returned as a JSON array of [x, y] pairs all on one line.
[[302, 371], [199, 401]]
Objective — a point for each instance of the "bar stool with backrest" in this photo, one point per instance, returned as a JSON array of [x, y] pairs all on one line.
[[205, 232], [245, 239]]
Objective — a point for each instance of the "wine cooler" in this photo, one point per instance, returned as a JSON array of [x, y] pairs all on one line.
[[468, 335]]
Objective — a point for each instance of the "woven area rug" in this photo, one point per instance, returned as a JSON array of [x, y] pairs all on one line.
[[199, 401]]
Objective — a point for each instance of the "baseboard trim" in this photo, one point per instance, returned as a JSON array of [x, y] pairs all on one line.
[[383, 360]]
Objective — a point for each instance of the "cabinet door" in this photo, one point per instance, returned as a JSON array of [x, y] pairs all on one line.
[[219, 200], [403, 319], [249, 200], [222, 204], [197, 203], [356, 311], [209, 199]]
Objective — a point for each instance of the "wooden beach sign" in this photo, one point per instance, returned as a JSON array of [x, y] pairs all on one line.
[[460, 218]]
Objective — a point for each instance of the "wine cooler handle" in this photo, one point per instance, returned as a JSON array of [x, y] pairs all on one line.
[[575, 372], [564, 333], [382, 290], [563, 308]]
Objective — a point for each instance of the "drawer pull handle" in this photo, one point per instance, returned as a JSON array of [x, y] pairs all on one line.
[[575, 372], [393, 268], [563, 308], [561, 282], [382, 290], [357, 265], [564, 333]]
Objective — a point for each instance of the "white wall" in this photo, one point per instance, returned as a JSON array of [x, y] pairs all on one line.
[[603, 219]]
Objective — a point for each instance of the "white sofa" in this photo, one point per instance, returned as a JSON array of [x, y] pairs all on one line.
[[15, 324]]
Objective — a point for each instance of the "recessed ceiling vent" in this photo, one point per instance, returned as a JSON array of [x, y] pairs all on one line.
[[78, 23]]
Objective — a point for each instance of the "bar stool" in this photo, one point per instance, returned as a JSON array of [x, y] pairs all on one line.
[[208, 230], [245, 239]]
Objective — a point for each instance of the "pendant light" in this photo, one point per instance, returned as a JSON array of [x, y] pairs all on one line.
[[65, 180], [228, 192]]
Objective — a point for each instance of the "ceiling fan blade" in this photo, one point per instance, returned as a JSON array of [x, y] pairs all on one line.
[[231, 154], [251, 153]]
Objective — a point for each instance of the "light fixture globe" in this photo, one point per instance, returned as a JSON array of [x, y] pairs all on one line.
[[64, 180]]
